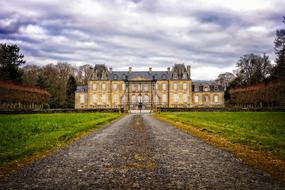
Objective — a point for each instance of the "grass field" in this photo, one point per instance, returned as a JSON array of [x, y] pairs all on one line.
[[27, 134], [263, 131]]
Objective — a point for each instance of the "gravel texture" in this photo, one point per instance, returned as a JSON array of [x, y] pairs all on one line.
[[139, 152]]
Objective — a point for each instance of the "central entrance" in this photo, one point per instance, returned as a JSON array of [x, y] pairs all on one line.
[[140, 95]]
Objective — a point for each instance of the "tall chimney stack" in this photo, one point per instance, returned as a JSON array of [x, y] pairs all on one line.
[[110, 69], [149, 69], [168, 69], [189, 70], [130, 69]]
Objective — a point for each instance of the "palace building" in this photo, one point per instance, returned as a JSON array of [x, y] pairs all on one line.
[[150, 90]]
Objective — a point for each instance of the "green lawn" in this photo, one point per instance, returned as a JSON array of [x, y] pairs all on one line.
[[259, 130], [26, 134]]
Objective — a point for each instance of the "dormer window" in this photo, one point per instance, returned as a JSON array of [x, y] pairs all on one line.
[[206, 88], [164, 77], [184, 76], [115, 77]]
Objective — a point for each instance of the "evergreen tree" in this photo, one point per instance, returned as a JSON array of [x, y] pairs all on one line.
[[10, 60], [279, 47], [70, 92], [42, 81]]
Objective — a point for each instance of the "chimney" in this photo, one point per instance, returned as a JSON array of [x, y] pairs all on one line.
[[130, 69], [168, 69], [110, 69], [149, 69], [189, 70]]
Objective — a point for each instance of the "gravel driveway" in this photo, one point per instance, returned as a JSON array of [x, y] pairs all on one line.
[[139, 152]]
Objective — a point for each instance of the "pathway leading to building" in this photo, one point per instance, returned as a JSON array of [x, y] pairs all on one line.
[[141, 152]]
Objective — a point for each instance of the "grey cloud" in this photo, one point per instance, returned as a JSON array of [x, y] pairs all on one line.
[[138, 33]]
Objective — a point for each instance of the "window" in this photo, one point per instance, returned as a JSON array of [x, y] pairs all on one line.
[[196, 88], [139, 98], [94, 86], [133, 98], [103, 86], [123, 86], [185, 98], [134, 87], [163, 86], [103, 98], [206, 89], [175, 86], [145, 87], [164, 77], [146, 98], [155, 86], [175, 98], [115, 86], [196, 99], [155, 99], [216, 99], [206, 99], [94, 98], [124, 99], [184, 86], [164, 98], [115, 98], [82, 98]]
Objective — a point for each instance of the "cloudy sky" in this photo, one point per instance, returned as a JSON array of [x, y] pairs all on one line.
[[209, 35]]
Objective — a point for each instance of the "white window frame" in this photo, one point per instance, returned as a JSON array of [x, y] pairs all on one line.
[[115, 98], [139, 98], [216, 99], [196, 99], [103, 86], [133, 87], [133, 98], [164, 98], [145, 87], [115, 86], [206, 99], [146, 99], [94, 87], [185, 98], [104, 98], [163, 86], [82, 98], [175, 98], [184, 86], [94, 98], [175, 86]]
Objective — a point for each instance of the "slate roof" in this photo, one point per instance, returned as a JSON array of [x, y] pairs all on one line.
[[212, 84], [81, 89], [158, 75]]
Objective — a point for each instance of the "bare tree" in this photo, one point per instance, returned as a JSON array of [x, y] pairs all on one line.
[[225, 78], [253, 69]]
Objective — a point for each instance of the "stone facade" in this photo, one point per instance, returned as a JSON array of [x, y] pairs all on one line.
[[148, 89]]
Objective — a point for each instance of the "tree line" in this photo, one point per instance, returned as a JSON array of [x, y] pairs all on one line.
[[60, 79]]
